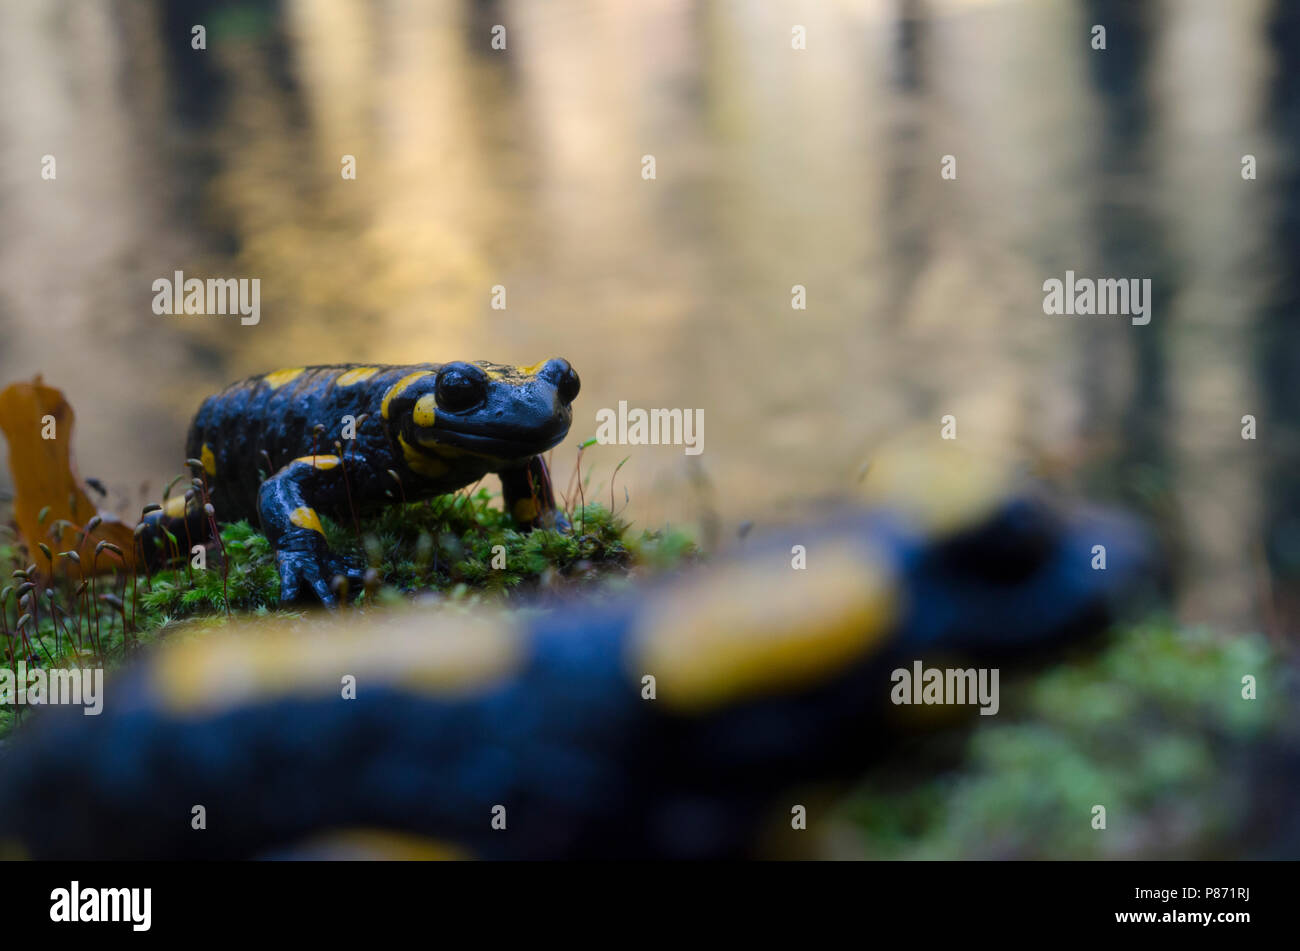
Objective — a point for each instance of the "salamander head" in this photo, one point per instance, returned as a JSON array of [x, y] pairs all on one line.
[[486, 409]]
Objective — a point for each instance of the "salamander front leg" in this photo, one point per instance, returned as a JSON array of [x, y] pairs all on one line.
[[529, 497], [288, 502]]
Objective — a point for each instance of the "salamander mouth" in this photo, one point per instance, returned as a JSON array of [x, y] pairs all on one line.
[[491, 442]]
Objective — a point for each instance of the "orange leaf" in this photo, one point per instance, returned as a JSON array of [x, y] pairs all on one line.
[[45, 477]]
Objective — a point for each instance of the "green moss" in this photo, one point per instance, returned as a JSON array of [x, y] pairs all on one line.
[[466, 547], [1141, 728]]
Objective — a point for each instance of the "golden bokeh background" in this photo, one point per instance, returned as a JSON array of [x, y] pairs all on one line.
[[775, 167]]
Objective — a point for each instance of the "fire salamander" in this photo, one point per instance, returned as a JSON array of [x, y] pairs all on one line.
[[276, 448], [666, 722]]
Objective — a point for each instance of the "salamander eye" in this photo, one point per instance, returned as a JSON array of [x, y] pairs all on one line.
[[565, 379], [460, 386]]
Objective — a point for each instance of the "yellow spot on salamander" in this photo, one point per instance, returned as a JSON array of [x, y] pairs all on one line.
[[532, 370], [280, 377], [174, 507], [377, 845], [460, 656], [397, 388], [418, 462], [355, 375], [747, 630], [942, 489], [305, 517], [319, 462], [525, 510], [426, 411], [209, 460]]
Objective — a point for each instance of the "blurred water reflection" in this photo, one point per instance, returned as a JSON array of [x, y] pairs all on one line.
[[775, 167]]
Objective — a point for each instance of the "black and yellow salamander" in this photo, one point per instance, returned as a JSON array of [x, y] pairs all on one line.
[[284, 447], [666, 722]]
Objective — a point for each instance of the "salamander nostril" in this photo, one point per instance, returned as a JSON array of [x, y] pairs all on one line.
[[565, 379], [460, 386]]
